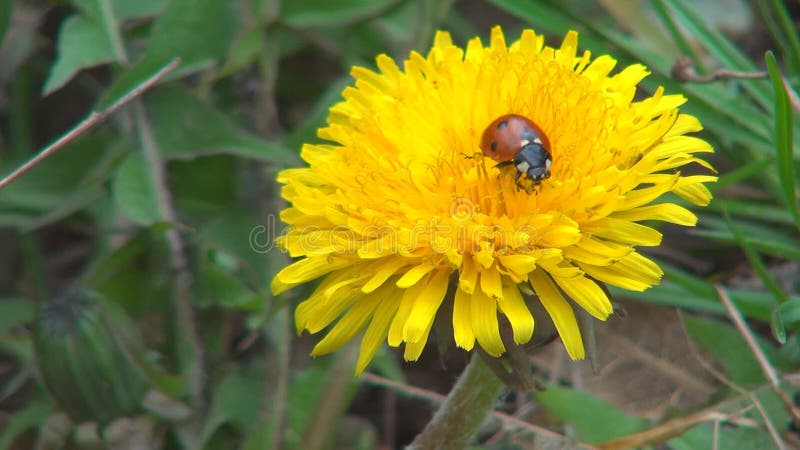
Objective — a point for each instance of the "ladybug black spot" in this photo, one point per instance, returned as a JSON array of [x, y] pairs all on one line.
[[494, 146], [502, 124]]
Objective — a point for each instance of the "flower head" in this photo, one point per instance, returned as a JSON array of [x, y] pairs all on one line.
[[401, 212]]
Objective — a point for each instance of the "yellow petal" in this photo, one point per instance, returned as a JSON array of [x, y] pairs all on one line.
[[685, 124], [614, 277], [468, 277], [462, 320], [569, 46], [596, 252], [667, 212], [413, 350], [491, 284], [519, 264], [413, 275], [382, 273], [350, 324], [634, 272], [560, 269], [326, 311], [587, 294], [307, 311], [513, 306], [560, 236], [425, 307], [696, 193], [646, 195], [624, 232], [484, 323], [379, 326], [561, 313], [497, 40], [306, 269], [410, 296]]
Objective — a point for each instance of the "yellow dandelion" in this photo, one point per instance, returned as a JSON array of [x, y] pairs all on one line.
[[401, 212]]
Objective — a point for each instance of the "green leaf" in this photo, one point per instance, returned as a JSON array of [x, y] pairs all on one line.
[[82, 43], [205, 187], [727, 344], [753, 210], [244, 51], [6, 7], [185, 126], [134, 192], [15, 311], [727, 437], [782, 28], [239, 235], [786, 315], [66, 175], [324, 13], [784, 139], [222, 288], [197, 31], [305, 392], [765, 239], [34, 414], [236, 401], [595, 420], [127, 9]]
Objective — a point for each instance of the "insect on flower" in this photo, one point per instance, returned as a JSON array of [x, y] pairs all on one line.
[[515, 140]]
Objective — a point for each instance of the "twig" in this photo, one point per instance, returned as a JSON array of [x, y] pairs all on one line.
[[684, 70], [766, 367], [769, 372], [90, 121], [664, 431], [435, 398]]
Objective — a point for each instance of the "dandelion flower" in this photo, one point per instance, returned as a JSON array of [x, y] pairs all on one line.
[[400, 212]]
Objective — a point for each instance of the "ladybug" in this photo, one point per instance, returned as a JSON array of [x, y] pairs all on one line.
[[515, 140]]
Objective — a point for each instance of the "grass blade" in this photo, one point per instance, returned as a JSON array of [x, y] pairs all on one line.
[[784, 137], [782, 28], [660, 8], [755, 261]]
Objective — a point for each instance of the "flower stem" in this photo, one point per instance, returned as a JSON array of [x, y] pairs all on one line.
[[464, 410]]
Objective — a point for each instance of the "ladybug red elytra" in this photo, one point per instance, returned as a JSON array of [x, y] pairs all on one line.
[[515, 140]]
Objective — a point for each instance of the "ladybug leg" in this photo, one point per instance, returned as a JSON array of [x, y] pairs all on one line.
[[518, 183], [475, 155], [521, 187]]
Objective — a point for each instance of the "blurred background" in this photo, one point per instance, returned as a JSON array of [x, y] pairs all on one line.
[[135, 310]]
